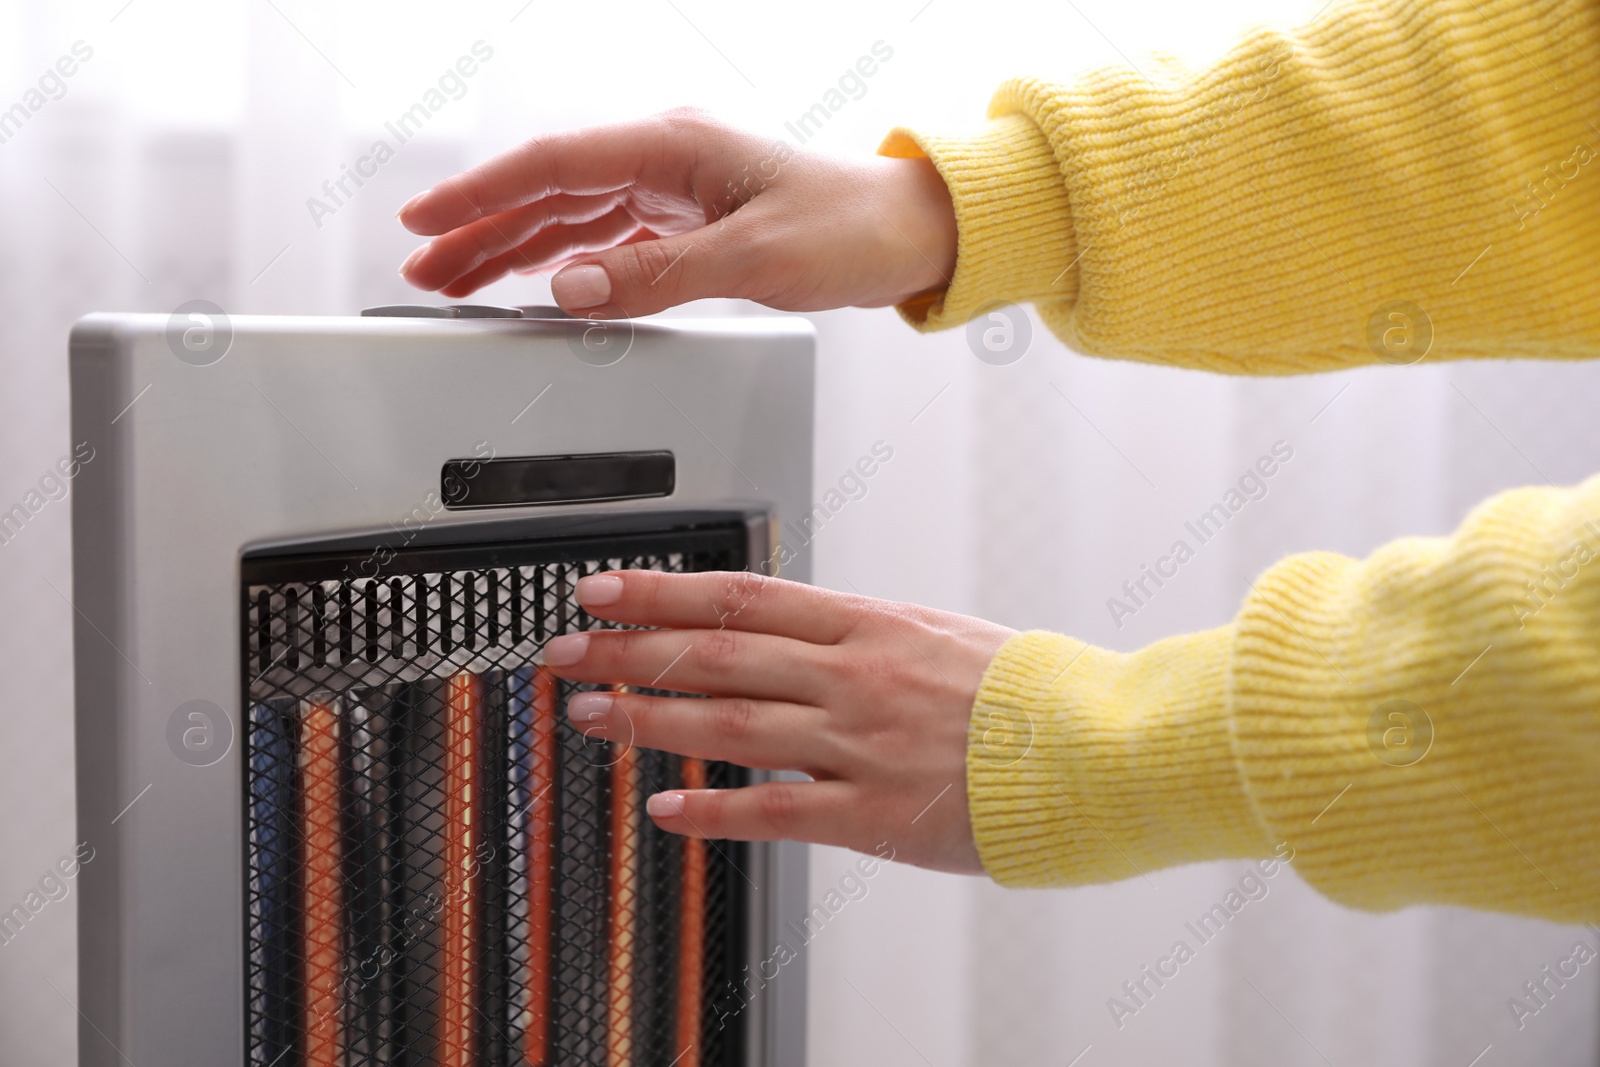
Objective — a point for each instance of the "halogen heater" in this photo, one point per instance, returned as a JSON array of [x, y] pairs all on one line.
[[339, 814]]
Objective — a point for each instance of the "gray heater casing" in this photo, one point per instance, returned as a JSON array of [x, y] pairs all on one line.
[[324, 430]]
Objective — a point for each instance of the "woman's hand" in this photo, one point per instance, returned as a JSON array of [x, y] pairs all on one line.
[[869, 698], [645, 215]]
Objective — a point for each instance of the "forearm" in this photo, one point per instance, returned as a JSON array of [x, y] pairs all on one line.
[[1260, 217], [1422, 726]]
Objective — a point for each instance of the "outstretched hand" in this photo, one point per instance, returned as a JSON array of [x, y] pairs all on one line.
[[644, 215], [869, 698]]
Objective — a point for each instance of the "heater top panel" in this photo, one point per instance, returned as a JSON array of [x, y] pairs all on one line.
[[209, 439], [350, 419]]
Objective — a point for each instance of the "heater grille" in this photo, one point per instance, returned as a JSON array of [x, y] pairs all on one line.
[[441, 869]]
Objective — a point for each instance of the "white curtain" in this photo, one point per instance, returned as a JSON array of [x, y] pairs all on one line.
[[177, 162]]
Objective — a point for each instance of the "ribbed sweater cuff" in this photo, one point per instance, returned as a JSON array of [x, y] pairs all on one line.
[[1015, 238], [1085, 765]]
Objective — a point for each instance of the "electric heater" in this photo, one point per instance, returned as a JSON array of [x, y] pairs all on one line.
[[339, 815]]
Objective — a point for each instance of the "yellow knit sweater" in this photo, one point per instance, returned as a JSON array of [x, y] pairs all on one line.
[[1403, 179]]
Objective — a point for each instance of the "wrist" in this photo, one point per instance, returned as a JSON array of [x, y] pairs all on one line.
[[1015, 237], [921, 211]]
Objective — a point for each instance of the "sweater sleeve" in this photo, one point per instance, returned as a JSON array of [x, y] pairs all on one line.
[[1422, 726], [1400, 180]]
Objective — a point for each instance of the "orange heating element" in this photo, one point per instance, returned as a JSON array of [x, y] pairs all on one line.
[[541, 862], [691, 933], [319, 769], [459, 933], [624, 903]]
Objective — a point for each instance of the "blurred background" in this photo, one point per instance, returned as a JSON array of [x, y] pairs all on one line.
[[180, 160]]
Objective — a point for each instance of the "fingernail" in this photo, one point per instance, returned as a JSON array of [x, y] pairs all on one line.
[[411, 260], [565, 650], [664, 805], [581, 287], [589, 707], [409, 204], [598, 590]]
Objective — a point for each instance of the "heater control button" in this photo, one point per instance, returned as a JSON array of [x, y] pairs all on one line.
[[486, 311], [411, 311]]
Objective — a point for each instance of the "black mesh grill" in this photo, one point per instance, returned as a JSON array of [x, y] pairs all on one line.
[[441, 869]]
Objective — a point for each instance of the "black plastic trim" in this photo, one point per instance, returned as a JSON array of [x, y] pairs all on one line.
[[382, 561], [574, 479]]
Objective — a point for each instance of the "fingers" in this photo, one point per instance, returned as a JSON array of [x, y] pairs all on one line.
[[724, 259], [556, 244], [468, 247], [822, 813], [638, 235], [728, 600], [721, 662], [666, 170], [770, 735], [595, 160]]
